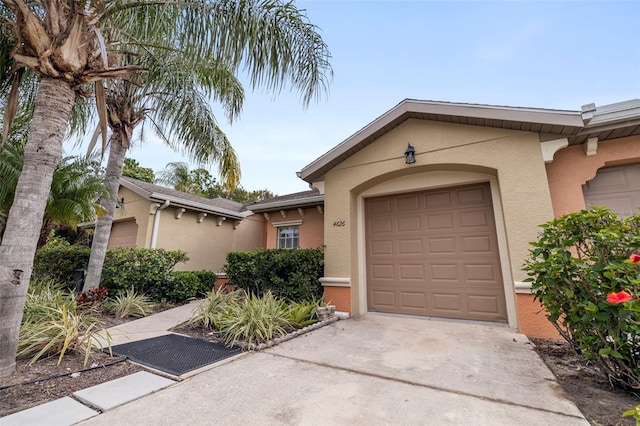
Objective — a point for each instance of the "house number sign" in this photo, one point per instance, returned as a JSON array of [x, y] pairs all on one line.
[[339, 223]]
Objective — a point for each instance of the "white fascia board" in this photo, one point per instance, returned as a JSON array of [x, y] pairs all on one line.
[[200, 206], [277, 205]]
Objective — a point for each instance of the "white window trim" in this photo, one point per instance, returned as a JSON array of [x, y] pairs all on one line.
[[287, 223]]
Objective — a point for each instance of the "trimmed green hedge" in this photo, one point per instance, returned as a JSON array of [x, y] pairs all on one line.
[[149, 271], [288, 274]]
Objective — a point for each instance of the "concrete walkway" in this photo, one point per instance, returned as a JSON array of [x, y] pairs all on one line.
[[373, 370]]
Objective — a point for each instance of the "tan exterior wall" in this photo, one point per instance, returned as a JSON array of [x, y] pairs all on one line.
[[446, 155], [571, 168], [311, 228], [138, 208], [206, 243]]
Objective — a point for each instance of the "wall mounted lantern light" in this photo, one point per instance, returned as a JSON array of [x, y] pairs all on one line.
[[410, 155]]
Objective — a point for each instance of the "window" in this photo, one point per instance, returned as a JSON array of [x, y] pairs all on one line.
[[288, 237]]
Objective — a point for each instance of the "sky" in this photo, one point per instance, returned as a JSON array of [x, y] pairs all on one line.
[[543, 54]]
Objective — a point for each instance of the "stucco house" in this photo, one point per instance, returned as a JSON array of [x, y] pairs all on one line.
[[153, 216], [427, 210], [430, 208]]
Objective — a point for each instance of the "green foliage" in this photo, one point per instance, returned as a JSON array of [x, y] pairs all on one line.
[[149, 271], [129, 304], [58, 260], [254, 320], [200, 182], [54, 324], [133, 169], [184, 285], [302, 314], [579, 259], [288, 274], [215, 304], [635, 413], [146, 270]]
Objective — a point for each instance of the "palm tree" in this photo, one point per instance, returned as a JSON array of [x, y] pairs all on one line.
[[76, 188], [273, 40], [70, 44]]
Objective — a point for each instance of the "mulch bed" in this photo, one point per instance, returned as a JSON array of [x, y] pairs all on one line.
[[585, 385]]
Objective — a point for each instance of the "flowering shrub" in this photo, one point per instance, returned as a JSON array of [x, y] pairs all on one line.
[[580, 270]]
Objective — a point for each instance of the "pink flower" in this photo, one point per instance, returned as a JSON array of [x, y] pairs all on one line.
[[635, 258], [619, 297]]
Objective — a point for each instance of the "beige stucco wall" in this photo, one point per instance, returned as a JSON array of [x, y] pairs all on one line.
[[311, 228], [136, 207], [446, 155], [571, 168], [206, 243]]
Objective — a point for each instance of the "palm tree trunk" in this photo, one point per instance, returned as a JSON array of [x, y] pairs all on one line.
[[42, 153], [103, 226]]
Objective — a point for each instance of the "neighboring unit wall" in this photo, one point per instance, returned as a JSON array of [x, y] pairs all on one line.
[[206, 239], [137, 208], [311, 229], [206, 243], [446, 155], [571, 168]]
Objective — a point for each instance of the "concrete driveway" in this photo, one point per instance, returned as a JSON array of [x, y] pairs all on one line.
[[372, 370]]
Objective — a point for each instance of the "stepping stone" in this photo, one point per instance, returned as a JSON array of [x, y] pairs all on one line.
[[61, 412], [116, 392]]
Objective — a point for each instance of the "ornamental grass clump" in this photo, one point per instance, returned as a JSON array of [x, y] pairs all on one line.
[[582, 271], [214, 306], [254, 320], [54, 324], [129, 304]]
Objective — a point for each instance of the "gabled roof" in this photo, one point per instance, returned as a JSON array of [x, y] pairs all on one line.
[[290, 201], [606, 122], [217, 206]]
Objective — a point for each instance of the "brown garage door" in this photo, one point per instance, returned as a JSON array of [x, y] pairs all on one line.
[[123, 234], [435, 253], [617, 188]]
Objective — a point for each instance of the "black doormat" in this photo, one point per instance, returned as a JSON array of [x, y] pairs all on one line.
[[174, 354]]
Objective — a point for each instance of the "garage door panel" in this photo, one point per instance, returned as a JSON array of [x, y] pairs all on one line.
[[409, 224], [477, 244], [382, 247], [411, 272], [478, 272], [438, 200], [440, 221], [447, 302], [383, 272], [444, 272], [442, 245], [408, 203], [474, 219], [413, 300], [383, 300], [381, 226], [472, 196], [484, 304], [409, 247], [449, 267]]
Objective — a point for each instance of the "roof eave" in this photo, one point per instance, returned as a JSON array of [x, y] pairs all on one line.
[[288, 204], [571, 120]]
